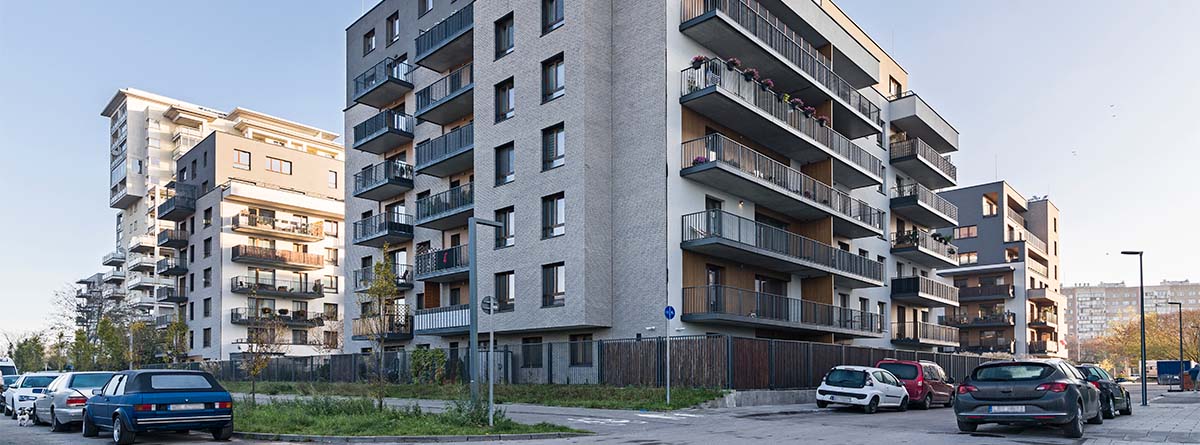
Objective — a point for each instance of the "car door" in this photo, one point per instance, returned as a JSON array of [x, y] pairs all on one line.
[[10, 397], [41, 405], [1114, 388], [100, 406], [893, 391], [1089, 393]]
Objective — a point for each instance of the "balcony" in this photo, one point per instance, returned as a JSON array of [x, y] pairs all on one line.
[[446, 320], [396, 325], [989, 346], [141, 263], [147, 282], [266, 316], [1045, 296], [447, 209], [171, 296], [924, 292], [920, 205], [443, 266], [447, 154], [923, 163], [922, 248], [384, 228], [1045, 347], [1045, 318], [142, 244], [265, 256], [732, 98], [163, 321], [171, 267], [384, 84], [448, 43], [919, 333], [114, 277], [294, 230], [918, 120], [184, 139], [1035, 245], [747, 30], [745, 308], [268, 286], [985, 293], [383, 181], [726, 235], [448, 99], [726, 165], [180, 204], [173, 239], [114, 293], [969, 319], [119, 196], [365, 277], [1038, 269], [114, 258], [383, 132]]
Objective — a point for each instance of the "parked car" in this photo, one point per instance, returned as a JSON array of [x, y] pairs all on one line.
[[8, 380], [926, 381], [25, 390], [61, 404], [863, 386], [150, 400], [1114, 398], [1027, 392], [8, 367]]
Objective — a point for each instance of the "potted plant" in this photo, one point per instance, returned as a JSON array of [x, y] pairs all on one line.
[[797, 103], [732, 63], [783, 97], [766, 83], [697, 61], [750, 74], [822, 120], [808, 111], [699, 160], [266, 311]]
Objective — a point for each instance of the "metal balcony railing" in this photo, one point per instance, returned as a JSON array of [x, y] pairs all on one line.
[[267, 255], [995, 290], [381, 224], [925, 286], [249, 315], [924, 240], [1038, 268], [446, 317], [266, 285], [717, 299], [719, 148], [967, 318], [441, 260], [389, 68], [1043, 346], [927, 197], [381, 173], [365, 277], [454, 82], [449, 201], [395, 321], [435, 149], [441, 31], [1045, 317], [285, 226], [383, 121], [918, 330], [914, 146]]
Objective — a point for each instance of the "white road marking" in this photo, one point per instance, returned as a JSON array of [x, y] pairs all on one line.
[[667, 416], [600, 421]]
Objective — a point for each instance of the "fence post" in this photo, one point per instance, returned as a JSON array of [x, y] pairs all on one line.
[[659, 355], [599, 362], [771, 364], [728, 361], [550, 363]]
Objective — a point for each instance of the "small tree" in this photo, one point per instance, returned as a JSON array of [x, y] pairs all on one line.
[[30, 354], [83, 352], [146, 344], [175, 339], [262, 344], [379, 299], [113, 348]]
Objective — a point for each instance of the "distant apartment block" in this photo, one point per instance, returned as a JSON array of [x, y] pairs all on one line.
[[1093, 309]]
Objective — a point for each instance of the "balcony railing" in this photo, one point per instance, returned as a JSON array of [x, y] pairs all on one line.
[[387, 69], [382, 173], [448, 27], [990, 345], [1043, 347], [396, 322], [714, 73], [771, 31], [278, 257], [725, 300], [1045, 317], [365, 277], [449, 201], [442, 318], [1038, 268], [1014, 215], [720, 224], [968, 318], [173, 238], [252, 316], [444, 260], [919, 331], [913, 146], [114, 258], [297, 228], [997, 291], [266, 285], [1022, 234], [383, 224], [386, 120], [454, 82], [924, 240], [927, 197], [444, 146], [718, 148], [925, 286]]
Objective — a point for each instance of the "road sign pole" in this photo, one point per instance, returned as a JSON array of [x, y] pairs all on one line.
[[669, 314]]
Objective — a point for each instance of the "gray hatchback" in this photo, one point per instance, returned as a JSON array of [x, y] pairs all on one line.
[[61, 404], [1027, 392]]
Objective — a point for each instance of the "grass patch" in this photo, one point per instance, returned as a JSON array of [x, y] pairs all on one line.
[[359, 417], [581, 396]]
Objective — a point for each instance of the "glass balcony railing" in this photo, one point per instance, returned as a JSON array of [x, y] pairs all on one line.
[[298, 228]]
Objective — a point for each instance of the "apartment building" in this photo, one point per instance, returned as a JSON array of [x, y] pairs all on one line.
[[1093, 308], [1008, 276], [761, 167]]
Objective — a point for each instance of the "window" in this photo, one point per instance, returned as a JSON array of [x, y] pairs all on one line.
[[553, 73], [554, 285], [207, 247], [369, 42], [965, 258], [299, 337], [506, 235], [552, 15], [208, 277], [554, 215], [894, 88], [332, 179], [966, 232], [331, 256], [531, 352], [989, 207], [423, 7], [505, 158], [279, 166], [331, 284], [191, 341], [504, 100], [192, 282], [554, 146], [192, 310], [208, 217], [331, 339], [207, 337], [581, 350], [393, 27], [504, 36], [331, 228], [241, 159], [330, 311], [208, 307], [505, 291]]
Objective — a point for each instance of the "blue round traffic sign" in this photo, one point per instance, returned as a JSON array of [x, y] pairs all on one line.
[[669, 312]]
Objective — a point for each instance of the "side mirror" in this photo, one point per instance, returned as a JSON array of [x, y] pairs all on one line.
[[950, 380], [96, 391]]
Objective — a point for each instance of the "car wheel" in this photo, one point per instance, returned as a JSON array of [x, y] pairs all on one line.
[[54, 425], [33, 417], [89, 427], [1106, 408], [903, 404], [223, 433], [822, 404], [967, 427], [1128, 409], [1074, 428], [121, 433], [871, 406], [1099, 419], [927, 402], [949, 403]]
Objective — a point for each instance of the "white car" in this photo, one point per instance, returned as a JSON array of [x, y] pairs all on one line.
[[862, 386], [27, 389]]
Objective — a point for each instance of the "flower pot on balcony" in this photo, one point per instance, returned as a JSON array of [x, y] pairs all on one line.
[[809, 111], [699, 160], [283, 312], [266, 311], [697, 61], [732, 63], [750, 74], [766, 84]]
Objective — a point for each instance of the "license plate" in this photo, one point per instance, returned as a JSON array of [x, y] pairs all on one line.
[[186, 406], [1007, 409]]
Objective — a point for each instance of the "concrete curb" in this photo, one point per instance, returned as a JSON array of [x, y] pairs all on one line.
[[402, 439]]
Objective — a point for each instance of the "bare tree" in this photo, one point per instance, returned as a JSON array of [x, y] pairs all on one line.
[[376, 323], [262, 344], [329, 336]]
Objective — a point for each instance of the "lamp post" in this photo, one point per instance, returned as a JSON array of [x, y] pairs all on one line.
[[1180, 305], [473, 303], [1141, 313]]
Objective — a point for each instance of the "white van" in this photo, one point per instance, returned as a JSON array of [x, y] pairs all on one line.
[[8, 367]]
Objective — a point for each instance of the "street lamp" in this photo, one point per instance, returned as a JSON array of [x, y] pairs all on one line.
[[473, 303], [1180, 305], [1142, 314]]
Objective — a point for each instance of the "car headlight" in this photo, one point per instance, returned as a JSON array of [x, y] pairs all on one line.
[[26, 398]]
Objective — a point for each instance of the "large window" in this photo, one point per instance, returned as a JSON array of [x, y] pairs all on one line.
[[965, 258], [241, 159], [505, 158], [966, 232], [552, 15], [581, 350], [279, 166], [553, 73], [554, 146], [504, 36], [531, 352], [505, 291], [554, 215], [504, 100], [554, 285], [989, 207], [506, 235]]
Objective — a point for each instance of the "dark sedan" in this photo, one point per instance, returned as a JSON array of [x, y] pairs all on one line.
[[1028, 392], [1114, 398], [139, 401]]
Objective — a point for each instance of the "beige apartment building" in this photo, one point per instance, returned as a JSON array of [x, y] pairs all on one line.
[[1094, 308]]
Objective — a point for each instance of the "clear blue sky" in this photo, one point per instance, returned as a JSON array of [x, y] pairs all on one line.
[[1032, 86]]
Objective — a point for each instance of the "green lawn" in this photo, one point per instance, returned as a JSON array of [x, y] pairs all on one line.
[[359, 417], [583, 396]]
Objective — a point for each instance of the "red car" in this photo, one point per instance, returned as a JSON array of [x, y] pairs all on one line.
[[926, 382]]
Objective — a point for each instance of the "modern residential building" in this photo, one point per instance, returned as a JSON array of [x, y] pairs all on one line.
[[1008, 276], [1094, 308], [761, 167]]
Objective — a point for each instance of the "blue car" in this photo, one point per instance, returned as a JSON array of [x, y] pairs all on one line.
[[159, 400]]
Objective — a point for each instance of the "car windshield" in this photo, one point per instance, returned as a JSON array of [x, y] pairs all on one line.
[[90, 380], [902, 371], [38, 381], [846, 378], [1012, 371], [179, 381], [8, 370], [9, 379]]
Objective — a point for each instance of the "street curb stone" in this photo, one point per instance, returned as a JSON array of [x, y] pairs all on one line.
[[408, 439]]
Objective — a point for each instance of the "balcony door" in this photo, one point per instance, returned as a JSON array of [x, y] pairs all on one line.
[[714, 279], [770, 294], [263, 277], [712, 207]]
